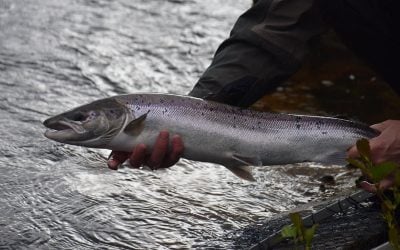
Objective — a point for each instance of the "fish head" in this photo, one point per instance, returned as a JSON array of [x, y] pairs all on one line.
[[90, 125]]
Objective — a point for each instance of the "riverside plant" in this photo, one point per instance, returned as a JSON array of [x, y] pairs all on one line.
[[298, 232], [389, 199], [374, 172]]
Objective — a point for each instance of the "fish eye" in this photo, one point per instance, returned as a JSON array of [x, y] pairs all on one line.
[[92, 114]]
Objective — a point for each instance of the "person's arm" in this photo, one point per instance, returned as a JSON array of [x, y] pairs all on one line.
[[266, 46], [385, 147]]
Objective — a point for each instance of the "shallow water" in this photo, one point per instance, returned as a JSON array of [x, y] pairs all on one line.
[[56, 55]]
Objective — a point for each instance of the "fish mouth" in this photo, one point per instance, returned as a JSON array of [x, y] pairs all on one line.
[[55, 125], [62, 130]]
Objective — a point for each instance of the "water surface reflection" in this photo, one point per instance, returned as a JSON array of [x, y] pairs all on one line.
[[59, 54]]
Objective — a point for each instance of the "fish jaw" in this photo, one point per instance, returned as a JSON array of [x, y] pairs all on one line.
[[61, 130]]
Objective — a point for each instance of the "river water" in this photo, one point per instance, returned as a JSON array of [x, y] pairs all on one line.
[[55, 55]]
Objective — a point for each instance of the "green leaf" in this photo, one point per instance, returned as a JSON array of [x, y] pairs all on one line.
[[363, 148], [393, 236], [397, 198], [309, 234], [356, 163], [289, 231], [397, 179], [389, 204], [382, 170], [297, 222]]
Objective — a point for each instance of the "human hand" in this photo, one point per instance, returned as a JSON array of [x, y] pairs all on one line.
[[160, 157], [385, 147]]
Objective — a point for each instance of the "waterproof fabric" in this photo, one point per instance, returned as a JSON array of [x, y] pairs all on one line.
[[270, 40]]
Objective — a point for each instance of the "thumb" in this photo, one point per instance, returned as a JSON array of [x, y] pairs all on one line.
[[380, 126]]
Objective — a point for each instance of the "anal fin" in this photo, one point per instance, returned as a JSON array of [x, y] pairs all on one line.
[[333, 158]]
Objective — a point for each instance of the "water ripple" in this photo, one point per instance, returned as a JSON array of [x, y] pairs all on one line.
[[55, 55]]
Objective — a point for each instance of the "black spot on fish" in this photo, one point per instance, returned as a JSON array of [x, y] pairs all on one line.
[[324, 132], [211, 109], [298, 126], [202, 113], [234, 125]]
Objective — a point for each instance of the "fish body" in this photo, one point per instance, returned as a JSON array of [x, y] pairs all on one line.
[[211, 131]]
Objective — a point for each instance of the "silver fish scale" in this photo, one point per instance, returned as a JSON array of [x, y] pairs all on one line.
[[230, 116], [214, 132]]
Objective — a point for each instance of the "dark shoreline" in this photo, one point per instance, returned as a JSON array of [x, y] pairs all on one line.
[[333, 81]]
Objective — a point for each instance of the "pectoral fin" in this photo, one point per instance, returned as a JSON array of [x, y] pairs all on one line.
[[136, 126], [241, 166]]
